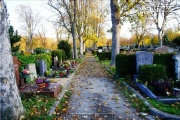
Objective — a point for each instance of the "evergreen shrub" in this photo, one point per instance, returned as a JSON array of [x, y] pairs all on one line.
[[125, 65], [148, 74], [104, 55], [166, 60]]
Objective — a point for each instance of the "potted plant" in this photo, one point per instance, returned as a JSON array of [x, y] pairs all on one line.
[[61, 74], [23, 75], [40, 82]]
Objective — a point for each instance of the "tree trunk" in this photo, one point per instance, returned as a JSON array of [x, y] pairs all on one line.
[[81, 45], [10, 106], [160, 38], [84, 47], [115, 18], [74, 32]]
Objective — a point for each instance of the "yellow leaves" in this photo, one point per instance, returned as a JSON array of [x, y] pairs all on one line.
[[79, 93], [64, 110]]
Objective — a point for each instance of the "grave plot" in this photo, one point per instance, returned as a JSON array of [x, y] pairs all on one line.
[[52, 90]]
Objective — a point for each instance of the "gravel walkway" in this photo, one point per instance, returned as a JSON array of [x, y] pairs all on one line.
[[95, 96]]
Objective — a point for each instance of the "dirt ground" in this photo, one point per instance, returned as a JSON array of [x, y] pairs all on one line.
[[95, 97]]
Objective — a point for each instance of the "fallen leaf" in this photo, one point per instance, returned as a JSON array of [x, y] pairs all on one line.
[[127, 112]]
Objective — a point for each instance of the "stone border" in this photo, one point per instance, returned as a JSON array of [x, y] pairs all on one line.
[[153, 111], [64, 89]]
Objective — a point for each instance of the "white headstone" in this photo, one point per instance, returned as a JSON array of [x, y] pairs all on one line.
[[32, 69]]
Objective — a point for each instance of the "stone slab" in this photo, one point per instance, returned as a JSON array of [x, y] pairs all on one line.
[[32, 69], [143, 58], [52, 90], [145, 90]]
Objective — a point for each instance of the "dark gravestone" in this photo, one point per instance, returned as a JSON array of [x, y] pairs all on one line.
[[143, 58], [42, 67], [55, 62], [16, 69]]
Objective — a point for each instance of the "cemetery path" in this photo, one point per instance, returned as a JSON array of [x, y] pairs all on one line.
[[95, 95]]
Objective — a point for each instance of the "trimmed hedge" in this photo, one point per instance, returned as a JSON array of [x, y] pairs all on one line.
[[148, 74], [94, 52], [104, 55], [166, 60], [125, 65]]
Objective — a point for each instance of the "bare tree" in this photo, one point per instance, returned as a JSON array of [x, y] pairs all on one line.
[[42, 35], [161, 12], [140, 24], [66, 10], [11, 107], [30, 19]]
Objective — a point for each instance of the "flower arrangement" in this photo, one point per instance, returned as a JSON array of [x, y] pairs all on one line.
[[24, 73], [42, 82], [39, 80]]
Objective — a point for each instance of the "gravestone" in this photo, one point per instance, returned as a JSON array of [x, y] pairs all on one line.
[[42, 67], [164, 49], [16, 69], [32, 69], [143, 58], [177, 65], [55, 62]]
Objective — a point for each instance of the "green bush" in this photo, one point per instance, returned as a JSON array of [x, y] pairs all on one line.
[[104, 55], [39, 50], [94, 52], [26, 59], [125, 65], [57, 53], [63, 55], [64, 45], [166, 60], [151, 73]]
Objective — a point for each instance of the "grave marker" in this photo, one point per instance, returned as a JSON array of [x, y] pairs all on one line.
[[164, 49], [55, 62], [42, 67], [32, 69], [16, 69], [143, 58]]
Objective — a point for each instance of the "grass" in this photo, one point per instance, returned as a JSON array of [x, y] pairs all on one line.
[[132, 98], [63, 104], [110, 69], [37, 106], [168, 108]]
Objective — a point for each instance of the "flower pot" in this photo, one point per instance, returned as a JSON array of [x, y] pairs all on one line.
[[66, 67], [41, 85], [61, 74]]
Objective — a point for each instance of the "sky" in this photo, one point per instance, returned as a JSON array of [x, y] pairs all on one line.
[[41, 5]]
